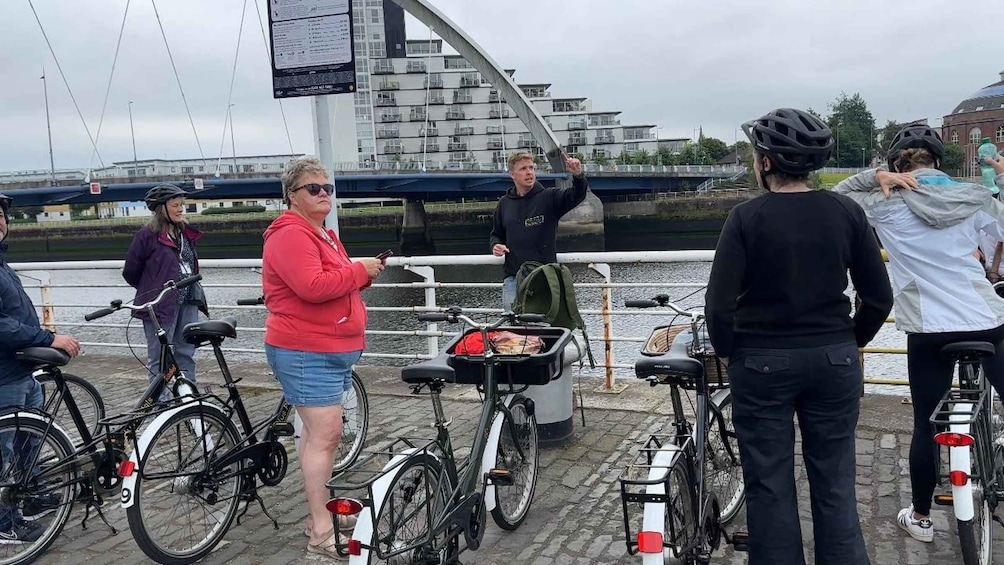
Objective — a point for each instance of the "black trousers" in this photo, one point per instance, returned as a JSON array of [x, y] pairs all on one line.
[[930, 378], [822, 385]]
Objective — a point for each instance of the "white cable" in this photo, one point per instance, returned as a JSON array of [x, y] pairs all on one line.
[[108, 89], [268, 55], [230, 95], [66, 83], [178, 78]]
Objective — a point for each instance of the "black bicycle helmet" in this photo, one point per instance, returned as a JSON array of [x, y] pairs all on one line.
[[5, 202], [796, 142], [161, 193], [916, 136]]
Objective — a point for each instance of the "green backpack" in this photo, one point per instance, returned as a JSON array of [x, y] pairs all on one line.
[[547, 289]]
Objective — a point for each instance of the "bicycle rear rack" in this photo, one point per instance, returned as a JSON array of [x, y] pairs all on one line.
[[644, 472], [946, 413]]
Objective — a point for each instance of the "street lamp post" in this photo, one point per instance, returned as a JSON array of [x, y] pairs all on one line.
[[133, 133], [233, 144], [863, 165], [48, 127]]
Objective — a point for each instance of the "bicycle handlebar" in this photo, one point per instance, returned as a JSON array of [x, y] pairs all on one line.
[[118, 304], [455, 314], [251, 301], [662, 300]]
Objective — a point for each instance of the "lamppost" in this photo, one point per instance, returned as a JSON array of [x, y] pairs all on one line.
[[133, 133], [233, 144], [48, 127], [863, 165]]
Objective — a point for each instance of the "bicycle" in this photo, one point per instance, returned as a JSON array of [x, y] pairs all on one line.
[[421, 502], [203, 472], [689, 483], [972, 428], [42, 469], [355, 414]]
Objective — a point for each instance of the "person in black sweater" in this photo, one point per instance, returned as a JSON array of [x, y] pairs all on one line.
[[778, 313], [525, 226]]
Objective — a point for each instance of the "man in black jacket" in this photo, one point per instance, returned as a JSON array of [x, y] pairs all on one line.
[[526, 218], [19, 328]]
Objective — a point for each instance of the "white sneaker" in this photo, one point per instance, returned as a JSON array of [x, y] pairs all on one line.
[[920, 530]]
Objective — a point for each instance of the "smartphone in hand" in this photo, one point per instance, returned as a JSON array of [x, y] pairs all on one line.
[[385, 255]]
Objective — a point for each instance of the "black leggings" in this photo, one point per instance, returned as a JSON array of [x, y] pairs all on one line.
[[930, 378]]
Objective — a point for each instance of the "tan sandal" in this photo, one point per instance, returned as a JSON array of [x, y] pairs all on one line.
[[345, 525], [329, 545]]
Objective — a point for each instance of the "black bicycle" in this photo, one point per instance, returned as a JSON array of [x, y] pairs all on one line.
[[44, 469], [421, 502], [195, 466], [688, 484]]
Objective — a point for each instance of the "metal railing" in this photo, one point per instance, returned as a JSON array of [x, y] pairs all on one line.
[[425, 268]]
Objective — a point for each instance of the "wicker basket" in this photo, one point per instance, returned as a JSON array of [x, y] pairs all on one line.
[[662, 339]]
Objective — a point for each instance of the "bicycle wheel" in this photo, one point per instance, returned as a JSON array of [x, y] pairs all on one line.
[[355, 423], [976, 535], [723, 471], [86, 397], [42, 496], [184, 502], [418, 494], [680, 523], [513, 502]]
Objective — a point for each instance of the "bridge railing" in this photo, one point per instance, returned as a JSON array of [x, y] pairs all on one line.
[[607, 338]]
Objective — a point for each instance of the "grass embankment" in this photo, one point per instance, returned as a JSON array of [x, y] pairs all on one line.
[[829, 180]]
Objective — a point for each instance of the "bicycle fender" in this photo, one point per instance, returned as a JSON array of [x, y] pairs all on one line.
[[959, 460], [40, 416], [655, 513], [143, 443], [363, 530], [489, 459]]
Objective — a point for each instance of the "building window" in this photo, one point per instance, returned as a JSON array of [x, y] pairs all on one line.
[[1000, 134], [187, 170], [974, 135], [955, 136]]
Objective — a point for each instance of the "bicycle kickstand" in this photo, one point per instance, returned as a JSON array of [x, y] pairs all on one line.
[[248, 496], [95, 503]]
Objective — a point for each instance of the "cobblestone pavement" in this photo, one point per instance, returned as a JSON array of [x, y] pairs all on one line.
[[576, 516]]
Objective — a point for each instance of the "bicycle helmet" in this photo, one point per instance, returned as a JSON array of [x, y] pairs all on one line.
[[5, 202], [916, 136], [161, 193], [796, 142]]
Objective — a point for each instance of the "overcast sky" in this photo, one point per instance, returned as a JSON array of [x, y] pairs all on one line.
[[678, 64]]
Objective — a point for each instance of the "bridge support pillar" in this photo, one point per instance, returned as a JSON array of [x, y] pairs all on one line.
[[416, 238], [582, 228]]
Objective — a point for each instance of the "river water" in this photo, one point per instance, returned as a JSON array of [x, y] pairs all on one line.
[[106, 285]]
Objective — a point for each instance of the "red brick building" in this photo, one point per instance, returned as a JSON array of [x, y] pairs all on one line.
[[978, 116]]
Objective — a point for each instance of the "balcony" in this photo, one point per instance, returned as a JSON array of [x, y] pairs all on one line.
[[433, 82], [576, 124], [495, 144], [457, 146], [455, 114], [608, 138], [384, 133], [577, 139], [389, 117], [431, 147], [436, 98], [385, 100], [382, 67], [496, 114], [416, 66], [526, 143], [392, 148], [417, 115], [493, 129], [432, 131], [467, 81], [463, 130], [389, 85], [460, 97], [494, 96]]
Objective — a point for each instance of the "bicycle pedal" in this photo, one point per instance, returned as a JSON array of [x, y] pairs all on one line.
[[282, 429], [501, 477], [741, 541], [944, 500]]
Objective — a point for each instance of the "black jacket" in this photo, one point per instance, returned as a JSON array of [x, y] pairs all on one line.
[[528, 225], [19, 326]]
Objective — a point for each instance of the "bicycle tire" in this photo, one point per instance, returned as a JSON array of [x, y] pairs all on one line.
[[413, 476], [976, 535], [509, 516], [61, 447], [724, 474], [355, 425], [679, 522], [151, 521], [85, 395]]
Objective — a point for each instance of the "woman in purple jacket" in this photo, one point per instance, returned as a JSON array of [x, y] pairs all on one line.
[[164, 250]]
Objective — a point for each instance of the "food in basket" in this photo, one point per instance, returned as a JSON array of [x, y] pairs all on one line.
[[510, 343]]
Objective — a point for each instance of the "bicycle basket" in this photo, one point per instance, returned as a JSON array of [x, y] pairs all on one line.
[[680, 337], [515, 369], [661, 339]]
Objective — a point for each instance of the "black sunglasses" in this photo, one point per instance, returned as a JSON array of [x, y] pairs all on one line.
[[314, 189]]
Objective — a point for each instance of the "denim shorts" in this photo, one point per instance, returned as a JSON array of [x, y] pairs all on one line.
[[309, 378]]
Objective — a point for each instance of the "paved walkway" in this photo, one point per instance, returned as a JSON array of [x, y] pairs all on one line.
[[576, 516]]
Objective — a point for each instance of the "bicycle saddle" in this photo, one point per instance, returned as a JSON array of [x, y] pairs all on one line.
[[436, 369], [43, 356], [975, 349], [675, 366], [199, 333]]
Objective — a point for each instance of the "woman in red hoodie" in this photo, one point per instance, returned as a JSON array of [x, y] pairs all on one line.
[[315, 328]]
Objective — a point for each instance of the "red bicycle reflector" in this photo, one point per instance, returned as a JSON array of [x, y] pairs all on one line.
[[344, 506], [126, 468], [953, 439], [958, 478], [650, 542], [355, 547]]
